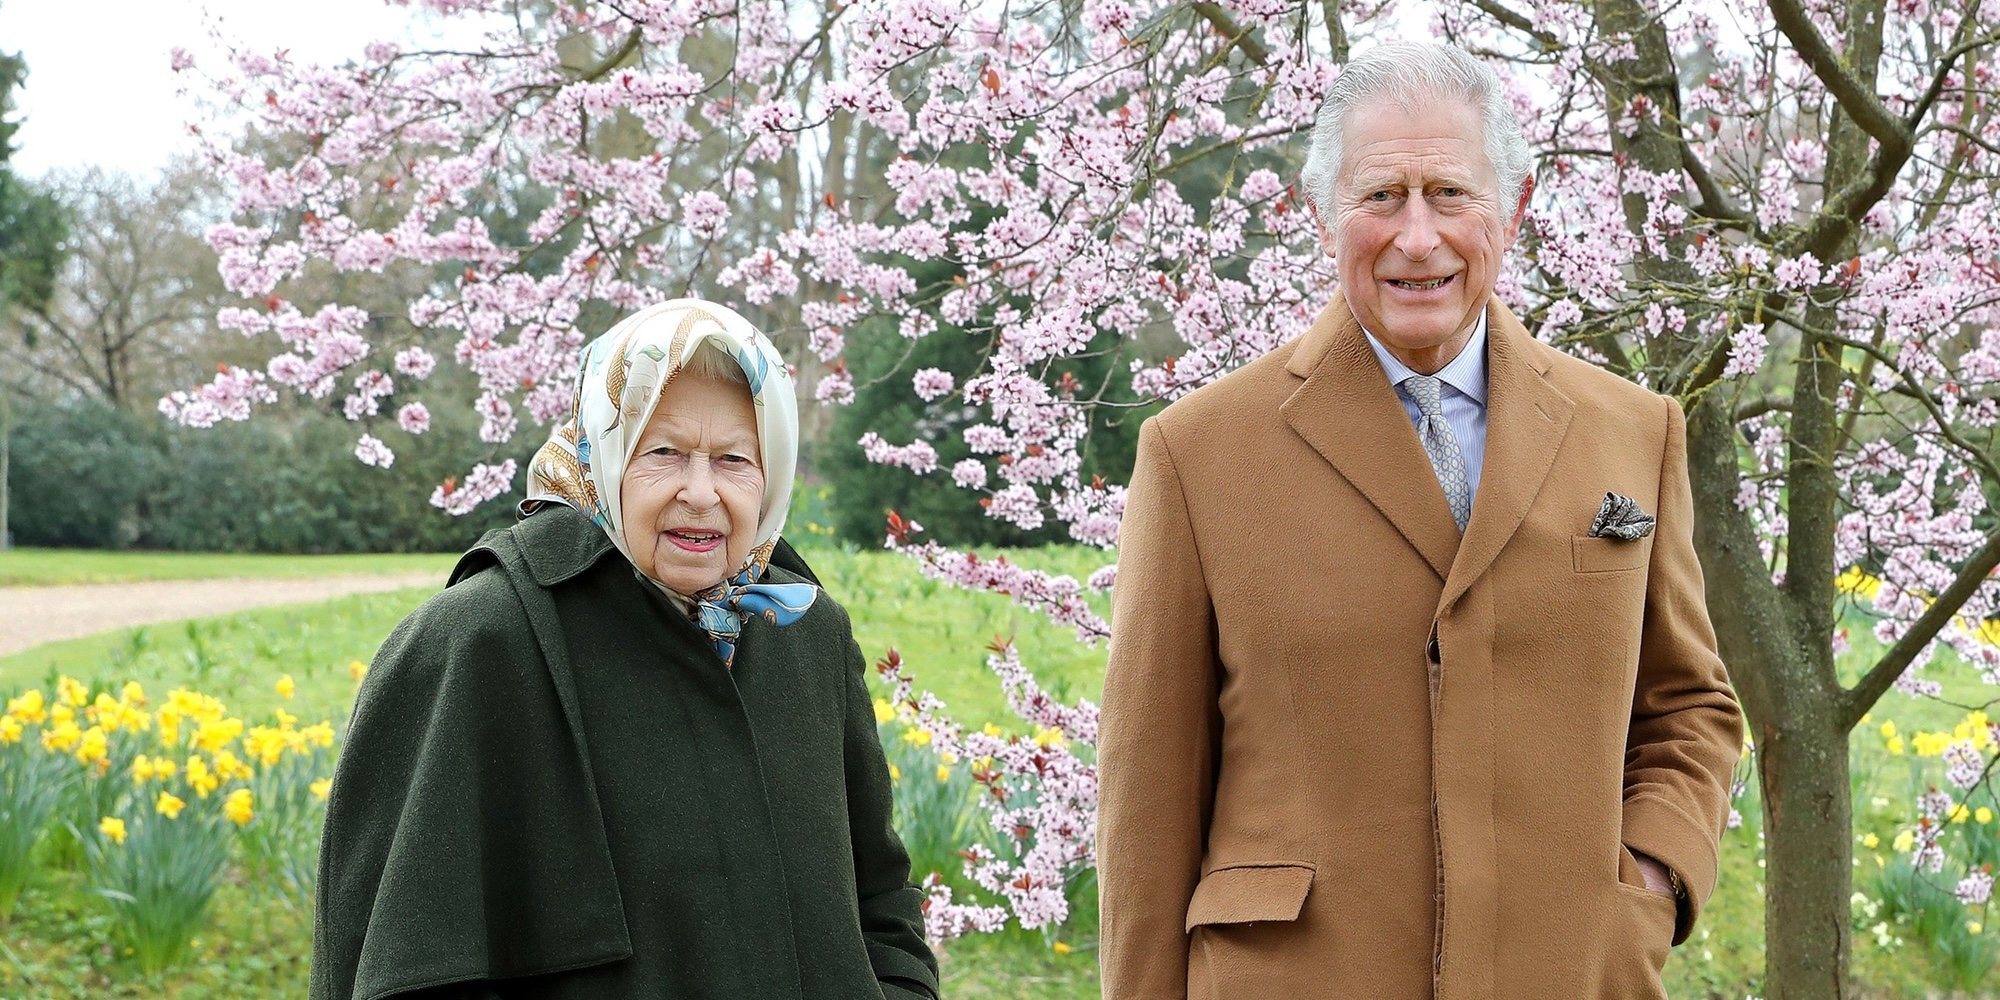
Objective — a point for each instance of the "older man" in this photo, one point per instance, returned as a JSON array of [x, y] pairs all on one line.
[[1412, 691]]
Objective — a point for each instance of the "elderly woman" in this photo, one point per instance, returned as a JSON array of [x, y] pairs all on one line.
[[624, 754]]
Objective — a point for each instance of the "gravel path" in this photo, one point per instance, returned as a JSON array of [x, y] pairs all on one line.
[[30, 616]]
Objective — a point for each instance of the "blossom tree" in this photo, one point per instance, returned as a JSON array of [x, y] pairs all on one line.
[[1778, 212]]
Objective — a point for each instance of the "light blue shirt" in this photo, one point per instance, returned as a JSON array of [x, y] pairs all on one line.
[[1463, 396]]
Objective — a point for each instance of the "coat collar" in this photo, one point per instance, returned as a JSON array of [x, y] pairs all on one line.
[[554, 541], [1348, 413]]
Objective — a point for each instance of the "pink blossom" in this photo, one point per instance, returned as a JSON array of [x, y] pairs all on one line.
[[371, 451], [932, 383], [414, 418], [704, 212], [415, 362], [969, 473]]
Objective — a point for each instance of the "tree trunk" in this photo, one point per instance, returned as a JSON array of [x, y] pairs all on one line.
[[1808, 854], [6, 439], [1783, 674]]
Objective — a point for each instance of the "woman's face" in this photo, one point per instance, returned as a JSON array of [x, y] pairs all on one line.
[[695, 485]]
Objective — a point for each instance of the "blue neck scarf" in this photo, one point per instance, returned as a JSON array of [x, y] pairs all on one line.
[[721, 610]]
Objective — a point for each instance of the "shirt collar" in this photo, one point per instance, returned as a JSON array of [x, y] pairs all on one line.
[[1465, 373]]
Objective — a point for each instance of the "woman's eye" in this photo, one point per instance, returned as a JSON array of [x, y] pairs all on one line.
[[734, 458], [663, 451]]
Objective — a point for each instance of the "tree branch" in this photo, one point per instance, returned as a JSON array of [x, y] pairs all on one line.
[[1514, 20], [1237, 35], [1857, 100], [1931, 93], [1862, 697], [615, 59], [1758, 407]]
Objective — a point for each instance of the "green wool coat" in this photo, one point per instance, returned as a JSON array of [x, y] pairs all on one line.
[[552, 788]]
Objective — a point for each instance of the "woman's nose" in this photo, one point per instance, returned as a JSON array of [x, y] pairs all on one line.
[[699, 489]]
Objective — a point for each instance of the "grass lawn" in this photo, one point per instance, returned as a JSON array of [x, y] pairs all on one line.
[[59, 942], [44, 567]]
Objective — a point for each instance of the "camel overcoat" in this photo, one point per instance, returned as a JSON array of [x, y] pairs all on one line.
[[1347, 753]]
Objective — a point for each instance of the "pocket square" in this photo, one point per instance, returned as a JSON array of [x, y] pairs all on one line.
[[1620, 517]]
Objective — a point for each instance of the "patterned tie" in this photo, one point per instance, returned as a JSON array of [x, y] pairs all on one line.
[[1441, 445]]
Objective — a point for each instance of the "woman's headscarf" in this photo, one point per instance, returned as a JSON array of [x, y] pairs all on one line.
[[623, 375]]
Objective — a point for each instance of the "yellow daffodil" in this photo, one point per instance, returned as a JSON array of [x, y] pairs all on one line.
[[70, 690], [991, 730], [237, 808], [1049, 737], [1889, 730], [1871, 841], [217, 733], [286, 720], [103, 711], [169, 805], [895, 773], [1982, 732], [60, 713], [1904, 841], [320, 788], [1974, 926], [94, 747], [133, 693], [28, 707], [1930, 744], [1983, 815], [112, 828], [916, 737], [265, 745], [229, 767], [1895, 746], [1856, 581], [200, 778], [10, 730], [884, 711], [142, 769], [1060, 948], [357, 670], [943, 774], [61, 737], [1959, 813], [164, 768], [285, 687]]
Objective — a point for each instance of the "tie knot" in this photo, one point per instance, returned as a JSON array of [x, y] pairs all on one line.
[[1423, 390]]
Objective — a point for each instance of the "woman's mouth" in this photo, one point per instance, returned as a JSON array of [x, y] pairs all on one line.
[[694, 539]]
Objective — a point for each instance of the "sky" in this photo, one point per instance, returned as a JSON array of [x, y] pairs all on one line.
[[101, 94]]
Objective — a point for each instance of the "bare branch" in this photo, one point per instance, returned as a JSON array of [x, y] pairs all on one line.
[[1865, 693], [1237, 35], [1855, 98]]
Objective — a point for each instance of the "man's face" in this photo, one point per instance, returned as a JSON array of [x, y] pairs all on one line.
[[1421, 227]]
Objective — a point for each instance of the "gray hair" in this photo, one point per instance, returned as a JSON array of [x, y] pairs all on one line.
[[1411, 73], [710, 361]]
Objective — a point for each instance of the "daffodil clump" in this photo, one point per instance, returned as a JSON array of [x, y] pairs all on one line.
[[157, 799], [1932, 868]]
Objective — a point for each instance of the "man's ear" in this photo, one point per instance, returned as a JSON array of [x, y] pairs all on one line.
[[1520, 208], [1319, 226]]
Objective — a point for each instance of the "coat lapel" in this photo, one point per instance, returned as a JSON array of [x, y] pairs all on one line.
[[1348, 413], [1526, 419]]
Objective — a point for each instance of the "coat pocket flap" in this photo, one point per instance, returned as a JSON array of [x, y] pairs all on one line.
[[1243, 893], [1606, 555]]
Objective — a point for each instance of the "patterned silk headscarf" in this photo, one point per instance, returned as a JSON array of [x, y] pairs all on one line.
[[623, 374]]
